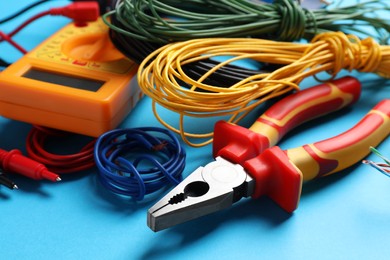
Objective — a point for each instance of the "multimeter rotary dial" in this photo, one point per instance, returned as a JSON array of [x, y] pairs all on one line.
[[74, 81], [91, 47]]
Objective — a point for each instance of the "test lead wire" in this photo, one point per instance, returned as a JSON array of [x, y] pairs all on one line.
[[7, 182]]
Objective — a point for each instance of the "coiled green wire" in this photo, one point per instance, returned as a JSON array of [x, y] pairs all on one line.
[[149, 20]]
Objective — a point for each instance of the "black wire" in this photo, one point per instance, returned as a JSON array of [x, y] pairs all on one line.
[[6, 181], [13, 16], [228, 75], [223, 77], [103, 4], [3, 63], [137, 50]]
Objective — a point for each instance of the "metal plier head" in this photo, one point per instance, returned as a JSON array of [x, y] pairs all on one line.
[[208, 189]]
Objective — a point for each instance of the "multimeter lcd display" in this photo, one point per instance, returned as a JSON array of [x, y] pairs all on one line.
[[64, 80], [54, 86]]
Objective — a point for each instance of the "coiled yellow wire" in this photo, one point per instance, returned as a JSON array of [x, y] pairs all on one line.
[[161, 74]]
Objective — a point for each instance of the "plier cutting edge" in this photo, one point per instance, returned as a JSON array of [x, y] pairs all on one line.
[[247, 162]]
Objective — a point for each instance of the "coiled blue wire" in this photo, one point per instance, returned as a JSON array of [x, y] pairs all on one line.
[[139, 161]]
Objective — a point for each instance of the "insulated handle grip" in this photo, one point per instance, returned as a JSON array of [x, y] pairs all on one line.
[[337, 153], [279, 174], [238, 144], [305, 105]]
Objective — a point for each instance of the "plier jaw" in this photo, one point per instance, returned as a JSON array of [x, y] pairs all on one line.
[[208, 189], [266, 168]]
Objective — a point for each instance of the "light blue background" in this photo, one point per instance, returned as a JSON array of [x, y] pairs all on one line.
[[343, 216]]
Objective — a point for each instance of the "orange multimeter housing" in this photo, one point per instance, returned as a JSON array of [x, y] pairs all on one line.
[[74, 81]]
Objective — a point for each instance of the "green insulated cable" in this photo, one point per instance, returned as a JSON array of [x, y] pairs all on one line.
[[163, 21]]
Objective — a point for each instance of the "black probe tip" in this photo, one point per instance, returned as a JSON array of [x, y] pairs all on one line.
[[7, 182]]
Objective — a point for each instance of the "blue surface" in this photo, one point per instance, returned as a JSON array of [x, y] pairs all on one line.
[[343, 216]]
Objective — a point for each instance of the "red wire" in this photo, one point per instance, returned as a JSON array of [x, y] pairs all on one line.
[[5, 37], [37, 136], [54, 162], [30, 20]]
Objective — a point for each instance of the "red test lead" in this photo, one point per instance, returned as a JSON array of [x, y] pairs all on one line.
[[15, 162], [80, 12]]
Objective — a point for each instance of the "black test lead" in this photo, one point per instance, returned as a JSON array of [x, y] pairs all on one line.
[[7, 182]]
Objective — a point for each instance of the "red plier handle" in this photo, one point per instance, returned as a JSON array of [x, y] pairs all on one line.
[[279, 174], [238, 144], [248, 164]]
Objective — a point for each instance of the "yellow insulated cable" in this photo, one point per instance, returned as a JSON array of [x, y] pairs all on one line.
[[161, 75]]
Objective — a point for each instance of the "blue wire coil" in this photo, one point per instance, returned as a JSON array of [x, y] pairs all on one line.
[[139, 161]]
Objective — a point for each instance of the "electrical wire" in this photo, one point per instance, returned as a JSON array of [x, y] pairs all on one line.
[[37, 137], [138, 27], [137, 50], [103, 4], [69, 163], [80, 13], [161, 73], [6, 181], [381, 167], [139, 161], [28, 21], [22, 11], [375, 151], [3, 63], [7, 38]]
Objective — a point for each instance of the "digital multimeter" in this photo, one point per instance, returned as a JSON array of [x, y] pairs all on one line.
[[74, 81]]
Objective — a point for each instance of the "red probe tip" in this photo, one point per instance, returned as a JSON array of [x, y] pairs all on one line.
[[48, 175], [15, 162]]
